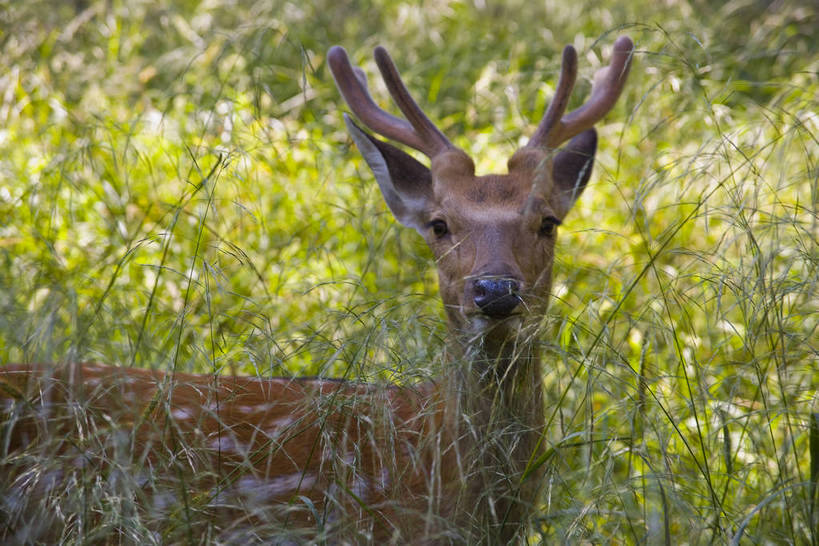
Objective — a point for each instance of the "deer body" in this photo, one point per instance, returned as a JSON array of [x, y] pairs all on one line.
[[452, 460]]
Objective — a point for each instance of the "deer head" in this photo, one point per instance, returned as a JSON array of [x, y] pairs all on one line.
[[492, 236]]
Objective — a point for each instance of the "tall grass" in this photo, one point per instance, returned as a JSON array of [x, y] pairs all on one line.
[[177, 192]]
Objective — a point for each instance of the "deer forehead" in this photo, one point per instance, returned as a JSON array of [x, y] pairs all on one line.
[[495, 204], [501, 195], [476, 218]]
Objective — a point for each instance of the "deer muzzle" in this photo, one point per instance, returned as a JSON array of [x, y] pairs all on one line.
[[496, 297]]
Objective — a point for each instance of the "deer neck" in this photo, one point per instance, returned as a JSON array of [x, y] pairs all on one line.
[[495, 415], [498, 382]]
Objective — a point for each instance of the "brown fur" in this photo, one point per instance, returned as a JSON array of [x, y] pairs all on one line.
[[392, 464]]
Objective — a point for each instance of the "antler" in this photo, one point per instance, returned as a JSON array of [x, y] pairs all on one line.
[[419, 133], [608, 83]]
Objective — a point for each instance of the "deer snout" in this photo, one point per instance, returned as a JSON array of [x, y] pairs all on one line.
[[496, 297]]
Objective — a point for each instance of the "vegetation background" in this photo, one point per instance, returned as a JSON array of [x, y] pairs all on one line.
[[177, 191]]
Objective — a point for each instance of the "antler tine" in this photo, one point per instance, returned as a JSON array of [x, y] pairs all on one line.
[[606, 89], [352, 85], [420, 122], [568, 75]]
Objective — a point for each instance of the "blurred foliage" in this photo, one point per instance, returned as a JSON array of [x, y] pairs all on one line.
[[177, 190]]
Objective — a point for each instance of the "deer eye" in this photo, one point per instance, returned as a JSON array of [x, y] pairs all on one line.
[[439, 228], [548, 226]]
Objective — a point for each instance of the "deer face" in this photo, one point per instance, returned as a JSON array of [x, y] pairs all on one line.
[[493, 236]]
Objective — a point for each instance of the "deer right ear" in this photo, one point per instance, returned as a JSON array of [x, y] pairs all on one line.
[[405, 183], [572, 169]]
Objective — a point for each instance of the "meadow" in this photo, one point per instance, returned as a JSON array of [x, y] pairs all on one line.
[[178, 191]]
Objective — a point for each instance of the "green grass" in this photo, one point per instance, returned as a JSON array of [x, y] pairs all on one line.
[[177, 191]]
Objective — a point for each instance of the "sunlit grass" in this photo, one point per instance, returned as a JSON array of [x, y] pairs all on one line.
[[177, 191]]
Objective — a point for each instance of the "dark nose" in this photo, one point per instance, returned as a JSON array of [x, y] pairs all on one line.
[[496, 297]]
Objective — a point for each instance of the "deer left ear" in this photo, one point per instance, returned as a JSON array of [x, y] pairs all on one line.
[[572, 169]]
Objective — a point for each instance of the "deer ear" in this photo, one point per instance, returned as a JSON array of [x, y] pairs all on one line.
[[405, 183], [572, 169]]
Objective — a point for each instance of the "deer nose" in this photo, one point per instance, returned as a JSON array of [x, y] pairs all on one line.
[[496, 297]]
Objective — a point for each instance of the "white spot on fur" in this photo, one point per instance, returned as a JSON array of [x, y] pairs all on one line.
[[257, 408], [129, 396], [274, 427], [384, 481], [49, 480], [227, 444], [164, 500], [182, 414], [267, 489], [361, 488], [81, 461]]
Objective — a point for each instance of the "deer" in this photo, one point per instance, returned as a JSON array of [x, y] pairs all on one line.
[[454, 459]]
